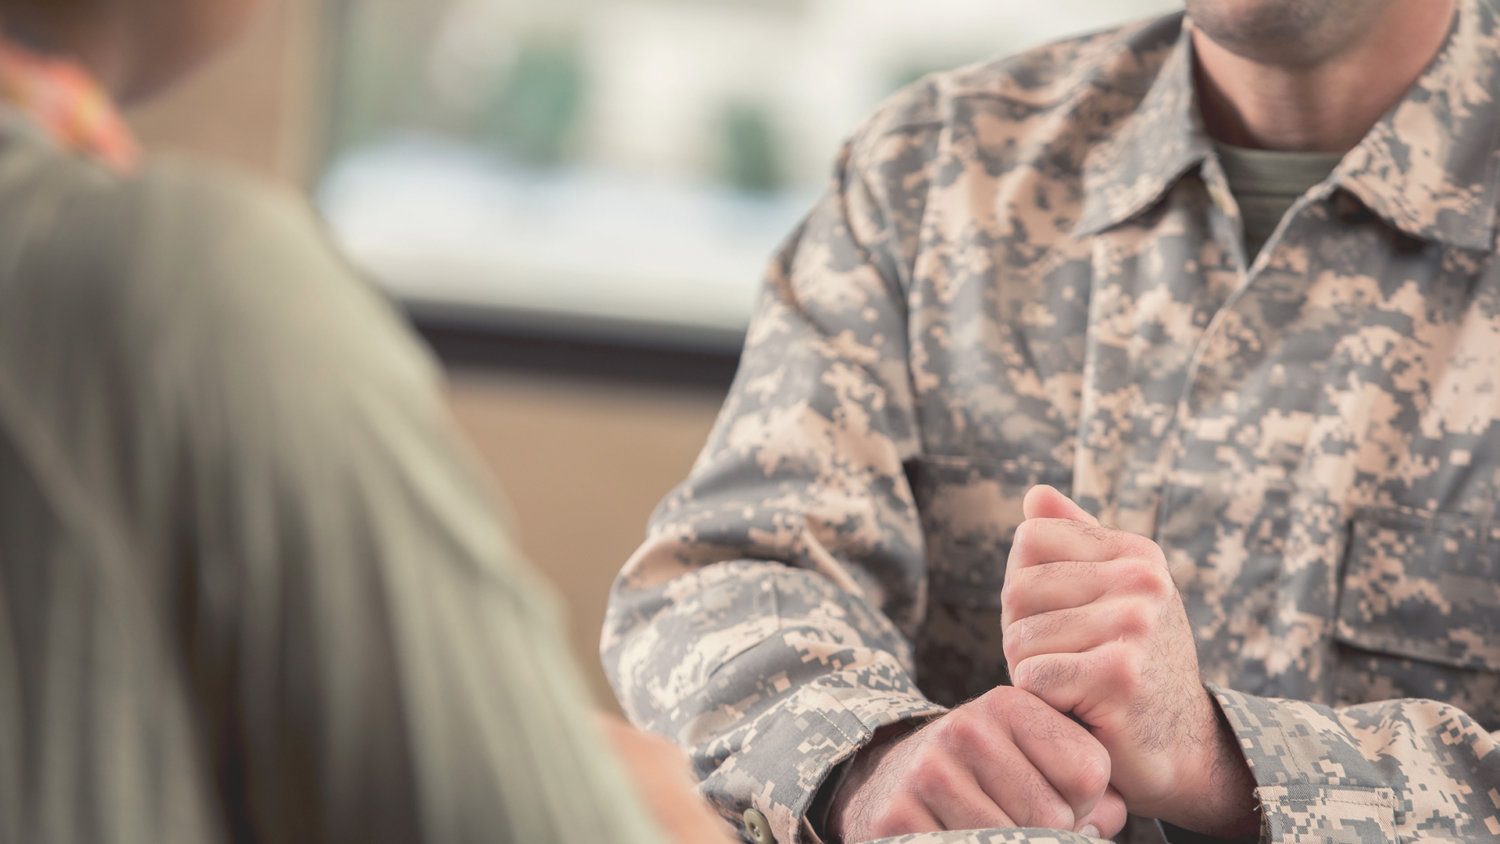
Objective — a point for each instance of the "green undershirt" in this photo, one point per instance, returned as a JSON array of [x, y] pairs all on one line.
[[1266, 183]]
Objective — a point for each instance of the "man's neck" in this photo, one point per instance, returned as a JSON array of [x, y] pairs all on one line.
[[1324, 107]]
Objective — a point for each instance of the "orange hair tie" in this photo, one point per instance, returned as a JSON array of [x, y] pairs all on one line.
[[68, 104]]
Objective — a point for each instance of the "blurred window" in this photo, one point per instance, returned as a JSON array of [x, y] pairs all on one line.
[[621, 169]]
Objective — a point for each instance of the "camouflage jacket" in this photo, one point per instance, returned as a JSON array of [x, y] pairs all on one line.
[[1031, 271]]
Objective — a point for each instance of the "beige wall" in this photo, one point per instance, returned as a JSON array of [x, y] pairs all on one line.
[[582, 462]]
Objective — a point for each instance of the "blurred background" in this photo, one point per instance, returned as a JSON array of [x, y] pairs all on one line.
[[574, 200]]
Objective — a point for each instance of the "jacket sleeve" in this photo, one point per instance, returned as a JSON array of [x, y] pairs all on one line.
[[1407, 770], [765, 624]]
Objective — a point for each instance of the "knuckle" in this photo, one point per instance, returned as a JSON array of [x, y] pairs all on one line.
[[1135, 545], [997, 702], [1018, 636], [1011, 647], [1136, 619], [1141, 576], [1020, 705], [1025, 537], [923, 757], [934, 776], [1021, 674], [1091, 773], [920, 777], [1163, 589], [1010, 596], [900, 815], [946, 732]]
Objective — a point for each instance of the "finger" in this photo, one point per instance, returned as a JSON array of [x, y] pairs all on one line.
[[965, 805], [1045, 502], [1025, 794], [985, 740], [1068, 631], [1069, 683], [1040, 541], [1052, 587], [1108, 817], [1072, 763]]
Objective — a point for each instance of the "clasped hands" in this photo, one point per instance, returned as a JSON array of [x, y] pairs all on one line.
[[1106, 712]]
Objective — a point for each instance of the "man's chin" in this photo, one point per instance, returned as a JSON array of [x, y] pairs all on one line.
[[1292, 33]]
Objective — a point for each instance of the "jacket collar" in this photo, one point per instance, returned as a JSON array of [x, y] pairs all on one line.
[[1429, 167], [1159, 142]]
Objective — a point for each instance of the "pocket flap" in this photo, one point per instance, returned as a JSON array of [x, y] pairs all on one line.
[[1423, 585]]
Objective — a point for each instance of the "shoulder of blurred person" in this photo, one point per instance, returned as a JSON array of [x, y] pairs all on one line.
[[243, 547], [186, 245], [255, 431], [175, 279], [227, 404]]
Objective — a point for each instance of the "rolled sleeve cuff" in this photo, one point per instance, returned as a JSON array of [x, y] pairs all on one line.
[[1313, 781], [790, 751]]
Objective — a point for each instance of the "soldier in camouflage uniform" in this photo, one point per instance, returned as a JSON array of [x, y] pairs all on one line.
[[1040, 271]]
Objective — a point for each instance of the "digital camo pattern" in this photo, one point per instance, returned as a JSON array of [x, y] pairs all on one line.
[[1031, 271], [1406, 769], [994, 836]]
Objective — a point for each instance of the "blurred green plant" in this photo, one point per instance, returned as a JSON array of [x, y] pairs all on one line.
[[536, 108], [750, 160], [370, 80]]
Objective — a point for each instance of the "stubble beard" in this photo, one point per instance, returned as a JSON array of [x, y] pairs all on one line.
[[1291, 33]]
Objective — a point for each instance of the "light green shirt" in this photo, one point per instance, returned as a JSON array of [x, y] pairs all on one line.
[[1266, 183], [251, 588]]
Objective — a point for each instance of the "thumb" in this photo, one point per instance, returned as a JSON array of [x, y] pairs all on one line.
[[1044, 502]]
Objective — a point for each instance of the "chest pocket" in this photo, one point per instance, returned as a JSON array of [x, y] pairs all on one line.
[[969, 511], [1419, 612]]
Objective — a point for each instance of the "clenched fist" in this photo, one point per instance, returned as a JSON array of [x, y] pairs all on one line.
[[1095, 627], [1004, 759]]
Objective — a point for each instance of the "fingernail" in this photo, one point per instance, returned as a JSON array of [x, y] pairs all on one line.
[[1090, 830]]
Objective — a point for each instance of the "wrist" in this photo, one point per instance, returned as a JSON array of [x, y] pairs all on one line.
[[1217, 793], [836, 795]]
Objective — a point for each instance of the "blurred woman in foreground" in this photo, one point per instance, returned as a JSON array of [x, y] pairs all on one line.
[[250, 587]]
